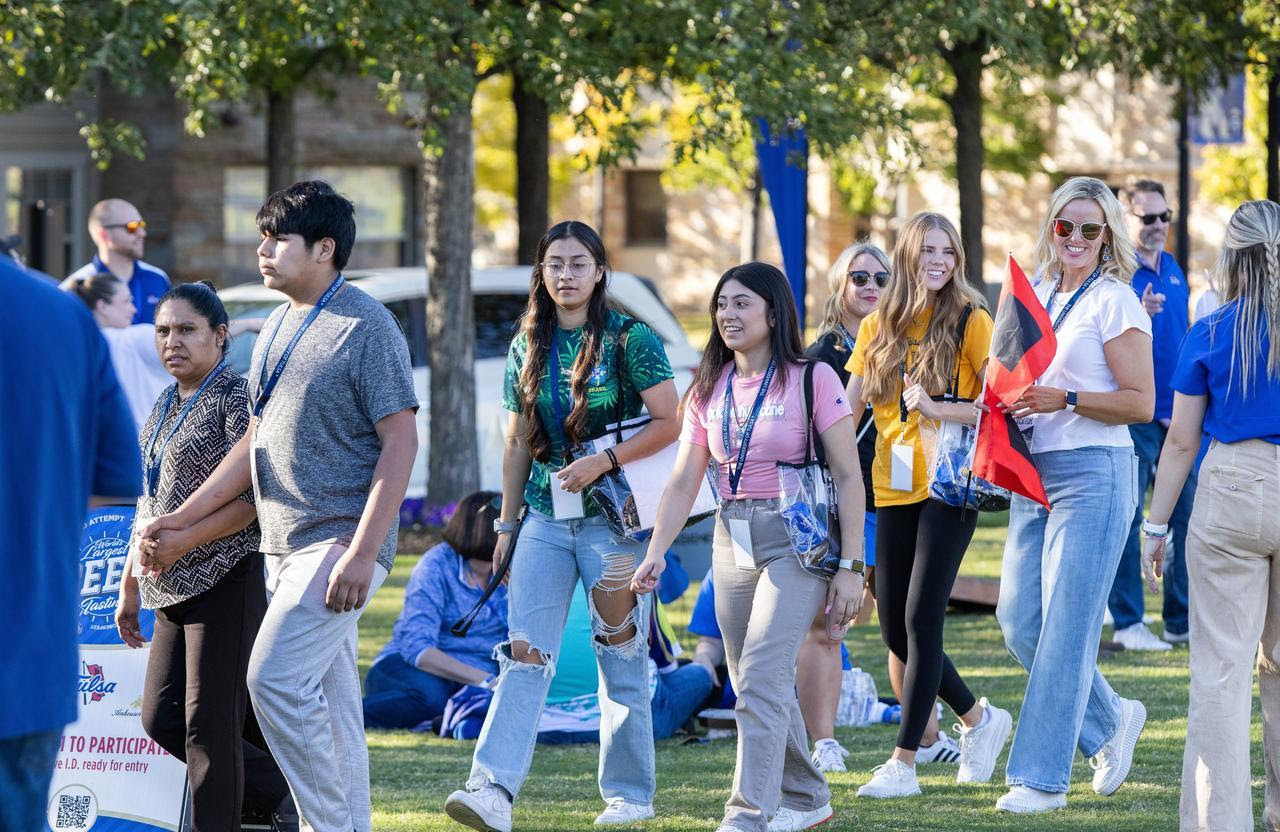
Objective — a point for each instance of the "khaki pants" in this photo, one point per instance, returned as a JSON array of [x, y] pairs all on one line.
[[764, 612], [1233, 566]]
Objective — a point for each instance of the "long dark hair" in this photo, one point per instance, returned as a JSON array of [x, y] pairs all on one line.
[[538, 324], [770, 284], [204, 299]]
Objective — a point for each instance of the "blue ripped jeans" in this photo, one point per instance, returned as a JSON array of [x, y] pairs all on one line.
[[1058, 567], [550, 559]]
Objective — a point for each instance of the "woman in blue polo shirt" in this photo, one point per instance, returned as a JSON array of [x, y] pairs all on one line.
[[1227, 384]]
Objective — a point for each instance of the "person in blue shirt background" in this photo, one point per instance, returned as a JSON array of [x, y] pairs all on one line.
[[1227, 385], [69, 439], [424, 663], [120, 234], [1162, 286]]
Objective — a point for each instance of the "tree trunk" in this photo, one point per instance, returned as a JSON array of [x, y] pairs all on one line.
[[966, 113], [533, 169], [453, 471], [1182, 233], [281, 172], [1273, 131]]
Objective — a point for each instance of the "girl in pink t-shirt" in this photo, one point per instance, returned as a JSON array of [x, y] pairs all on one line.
[[746, 412]]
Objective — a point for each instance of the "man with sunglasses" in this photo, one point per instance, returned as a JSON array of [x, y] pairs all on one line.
[[1161, 285], [120, 234]]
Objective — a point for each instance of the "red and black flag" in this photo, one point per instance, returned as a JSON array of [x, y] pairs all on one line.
[[1022, 346]]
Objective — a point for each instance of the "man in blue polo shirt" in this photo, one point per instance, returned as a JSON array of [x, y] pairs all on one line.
[[1163, 288], [68, 437], [120, 233]]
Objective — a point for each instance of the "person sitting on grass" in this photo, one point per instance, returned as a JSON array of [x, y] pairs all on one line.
[[424, 663]]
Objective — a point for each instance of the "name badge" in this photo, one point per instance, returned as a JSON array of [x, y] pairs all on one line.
[[565, 505], [740, 535], [902, 467]]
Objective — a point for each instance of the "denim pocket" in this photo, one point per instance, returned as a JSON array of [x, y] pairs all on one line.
[[1236, 501]]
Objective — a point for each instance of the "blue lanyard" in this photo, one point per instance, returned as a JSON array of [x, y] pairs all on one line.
[[847, 336], [735, 471], [154, 456], [557, 407], [265, 384], [1084, 287]]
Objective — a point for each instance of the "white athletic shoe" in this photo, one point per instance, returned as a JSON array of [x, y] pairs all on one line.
[[794, 820], [1138, 637], [828, 755], [1024, 800], [1176, 638], [979, 747], [943, 750], [620, 810], [893, 779], [487, 808], [1111, 764]]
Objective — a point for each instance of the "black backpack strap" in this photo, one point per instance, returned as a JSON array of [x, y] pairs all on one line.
[[960, 332], [618, 364]]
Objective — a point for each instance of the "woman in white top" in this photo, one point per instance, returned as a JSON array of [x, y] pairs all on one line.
[[1059, 565]]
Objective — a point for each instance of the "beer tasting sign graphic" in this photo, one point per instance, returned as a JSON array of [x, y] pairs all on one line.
[[110, 775]]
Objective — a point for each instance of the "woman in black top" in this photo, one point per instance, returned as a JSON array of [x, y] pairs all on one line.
[[205, 583]]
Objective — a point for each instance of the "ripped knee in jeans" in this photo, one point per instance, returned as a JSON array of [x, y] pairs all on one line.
[[615, 610], [518, 654]]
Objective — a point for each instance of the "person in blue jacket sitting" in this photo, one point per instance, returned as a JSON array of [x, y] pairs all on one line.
[[424, 663]]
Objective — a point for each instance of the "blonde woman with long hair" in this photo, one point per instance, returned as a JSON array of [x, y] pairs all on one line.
[[1227, 384], [929, 335], [1059, 565]]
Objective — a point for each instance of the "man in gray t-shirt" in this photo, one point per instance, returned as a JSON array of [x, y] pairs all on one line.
[[329, 454]]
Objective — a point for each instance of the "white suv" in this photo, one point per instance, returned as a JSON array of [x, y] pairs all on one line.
[[500, 295]]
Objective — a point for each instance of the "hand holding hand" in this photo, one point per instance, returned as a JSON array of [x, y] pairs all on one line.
[[159, 552], [349, 582], [916, 398], [1153, 560], [164, 521], [582, 472], [1152, 301], [647, 574]]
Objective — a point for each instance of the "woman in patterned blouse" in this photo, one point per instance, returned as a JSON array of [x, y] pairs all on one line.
[[206, 584]]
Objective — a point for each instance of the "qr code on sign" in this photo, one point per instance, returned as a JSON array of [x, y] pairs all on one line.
[[73, 811]]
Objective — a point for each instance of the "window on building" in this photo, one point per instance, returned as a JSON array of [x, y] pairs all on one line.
[[646, 207], [382, 194]]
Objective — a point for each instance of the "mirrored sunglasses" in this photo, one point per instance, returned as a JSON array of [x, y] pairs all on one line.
[[1088, 230], [860, 278], [133, 226]]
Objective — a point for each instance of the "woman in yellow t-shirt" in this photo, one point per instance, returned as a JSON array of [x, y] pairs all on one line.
[[909, 351]]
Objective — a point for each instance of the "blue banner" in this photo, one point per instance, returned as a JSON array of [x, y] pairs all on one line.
[[104, 546], [1217, 116], [783, 158]]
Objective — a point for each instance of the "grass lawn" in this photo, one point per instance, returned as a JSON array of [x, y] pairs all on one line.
[[412, 774]]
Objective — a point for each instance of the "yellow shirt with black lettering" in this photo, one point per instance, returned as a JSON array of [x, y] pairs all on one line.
[[890, 428]]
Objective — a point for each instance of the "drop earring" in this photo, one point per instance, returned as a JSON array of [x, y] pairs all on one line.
[[1106, 253]]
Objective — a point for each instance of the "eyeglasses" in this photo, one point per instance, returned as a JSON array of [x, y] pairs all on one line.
[[581, 269], [1088, 230], [132, 226], [1163, 216], [860, 278]]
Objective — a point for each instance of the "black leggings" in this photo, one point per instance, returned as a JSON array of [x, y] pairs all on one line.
[[918, 552]]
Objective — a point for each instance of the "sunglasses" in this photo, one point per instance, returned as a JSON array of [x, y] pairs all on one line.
[[1088, 230], [133, 226], [860, 278], [1147, 219]]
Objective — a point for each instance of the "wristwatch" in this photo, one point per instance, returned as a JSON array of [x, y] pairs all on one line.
[[500, 527], [853, 565], [1071, 401]]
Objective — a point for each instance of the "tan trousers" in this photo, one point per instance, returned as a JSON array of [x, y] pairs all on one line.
[[1233, 568], [764, 612]]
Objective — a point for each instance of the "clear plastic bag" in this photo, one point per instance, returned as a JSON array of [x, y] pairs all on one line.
[[948, 448], [807, 502]]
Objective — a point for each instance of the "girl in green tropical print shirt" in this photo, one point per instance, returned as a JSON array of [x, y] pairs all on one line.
[[561, 390]]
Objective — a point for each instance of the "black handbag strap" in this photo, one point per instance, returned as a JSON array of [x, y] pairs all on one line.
[[463, 624], [813, 450], [960, 333]]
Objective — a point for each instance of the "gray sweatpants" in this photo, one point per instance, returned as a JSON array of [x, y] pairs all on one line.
[[306, 690]]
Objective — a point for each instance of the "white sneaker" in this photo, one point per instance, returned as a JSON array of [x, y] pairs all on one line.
[[979, 747], [1138, 637], [943, 750], [1024, 800], [828, 755], [1176, 638], [794, 820], [487, 808], [620, 810], [893, 779], [1111, 764]]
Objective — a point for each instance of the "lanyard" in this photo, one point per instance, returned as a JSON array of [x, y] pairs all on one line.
[[1084, 287], [154, 456], [847, 336], [265, 384], [735, 471], [557, 407]]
